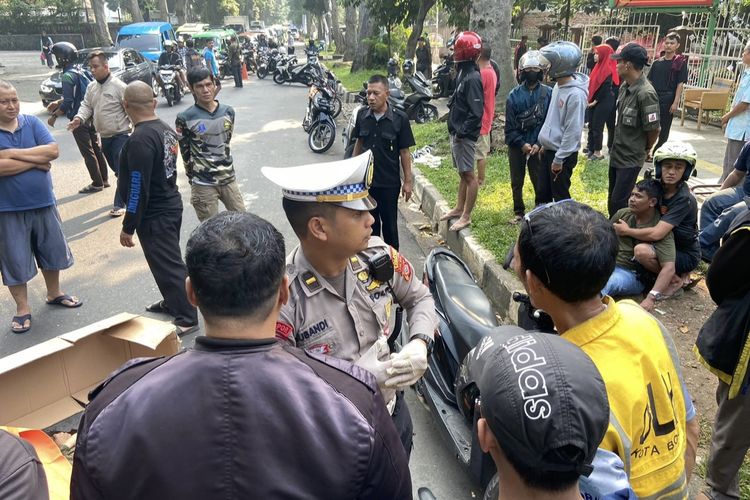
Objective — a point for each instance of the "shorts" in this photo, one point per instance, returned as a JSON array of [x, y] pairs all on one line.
[[686, 261], [28, 236], [462, 151], [483, 147]]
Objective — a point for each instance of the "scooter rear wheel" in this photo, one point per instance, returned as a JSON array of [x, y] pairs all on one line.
[[337, 106], [321, 137], [426, 113], [492, 491]]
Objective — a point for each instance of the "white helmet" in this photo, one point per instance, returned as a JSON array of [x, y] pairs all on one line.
[[533, 59]]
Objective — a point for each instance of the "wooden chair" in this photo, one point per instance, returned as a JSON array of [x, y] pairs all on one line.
[[706, 100]]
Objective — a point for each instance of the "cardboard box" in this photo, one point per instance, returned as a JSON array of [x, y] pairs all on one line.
[[49, 382]]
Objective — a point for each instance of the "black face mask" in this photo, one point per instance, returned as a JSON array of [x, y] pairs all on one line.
[[531, 77]]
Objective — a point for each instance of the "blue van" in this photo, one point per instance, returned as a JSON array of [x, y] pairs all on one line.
[[146, 38]]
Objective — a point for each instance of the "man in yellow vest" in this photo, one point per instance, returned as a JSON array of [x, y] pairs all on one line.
[[565, 253]]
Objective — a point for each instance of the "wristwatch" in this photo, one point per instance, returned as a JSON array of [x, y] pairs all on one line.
[[656, 294], [427, 340]]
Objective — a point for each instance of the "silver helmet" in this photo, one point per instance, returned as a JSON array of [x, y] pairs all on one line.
[[533, 59], [563, 57]]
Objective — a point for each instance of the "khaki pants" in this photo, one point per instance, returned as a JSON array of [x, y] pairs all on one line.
[[205, 199]]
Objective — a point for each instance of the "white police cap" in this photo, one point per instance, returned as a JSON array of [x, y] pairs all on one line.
[[345, 183]]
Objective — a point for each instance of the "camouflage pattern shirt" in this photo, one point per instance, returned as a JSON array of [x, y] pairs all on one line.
[[204, 144]]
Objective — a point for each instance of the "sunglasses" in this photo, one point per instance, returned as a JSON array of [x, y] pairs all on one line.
[[528, 220]]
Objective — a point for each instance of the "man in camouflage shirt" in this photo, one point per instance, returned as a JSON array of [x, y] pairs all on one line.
[[204, 131]]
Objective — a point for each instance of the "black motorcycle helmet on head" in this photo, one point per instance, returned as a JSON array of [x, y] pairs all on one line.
[[65, 53], [408, 67]]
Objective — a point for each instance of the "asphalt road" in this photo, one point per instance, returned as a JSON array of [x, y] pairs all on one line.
[[112, 279]]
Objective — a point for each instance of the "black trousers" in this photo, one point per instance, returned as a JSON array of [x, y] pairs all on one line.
[[402, 420], [599, 116], [549, 187], [160, 240], [386, 214], [91, 150], [665, 119], [237, 74], [518, 163], [621, 184]]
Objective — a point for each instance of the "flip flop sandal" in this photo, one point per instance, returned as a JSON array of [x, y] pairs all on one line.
[[157, 307], [60, 301], [694, 280], [516, 220], [21, 320], [117, 212], [91, 189]]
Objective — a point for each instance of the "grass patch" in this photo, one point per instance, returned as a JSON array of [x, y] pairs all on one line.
[[494, 206], [352, 81]]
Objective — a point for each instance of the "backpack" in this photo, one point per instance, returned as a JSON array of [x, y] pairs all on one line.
[[81, 80], [196, 59]]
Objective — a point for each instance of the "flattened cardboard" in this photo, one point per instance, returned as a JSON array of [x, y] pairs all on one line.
[[49, 382]]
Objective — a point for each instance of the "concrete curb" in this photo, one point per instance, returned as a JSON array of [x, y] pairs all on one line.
[[496, 282]]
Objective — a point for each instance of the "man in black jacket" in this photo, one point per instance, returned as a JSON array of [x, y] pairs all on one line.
[[464, 124], [148, 184], [240, 415]]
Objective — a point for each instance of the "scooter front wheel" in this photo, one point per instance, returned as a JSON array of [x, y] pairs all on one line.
[[337, 106], [262, 72], [168, 95], [321, 137], [426, 113], [492, 491], [278, 78]]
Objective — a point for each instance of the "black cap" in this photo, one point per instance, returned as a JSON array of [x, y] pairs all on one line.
[[632, 52], [543, 399]]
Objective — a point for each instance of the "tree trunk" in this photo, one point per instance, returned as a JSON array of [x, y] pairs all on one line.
[[164, 10], [179, 10], [366, 30], [350, 40], [491, 19], [338, 38], [135, 11], [102, 31], [418, 27], [321, 27]]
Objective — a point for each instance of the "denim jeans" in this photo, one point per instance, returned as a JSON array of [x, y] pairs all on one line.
[[111, 146], [622, 282], [717, 215]]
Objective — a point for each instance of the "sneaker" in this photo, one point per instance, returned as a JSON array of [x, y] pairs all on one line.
[[117, 212]]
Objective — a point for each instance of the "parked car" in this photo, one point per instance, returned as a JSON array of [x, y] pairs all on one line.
[[146, 38], [126, 64]]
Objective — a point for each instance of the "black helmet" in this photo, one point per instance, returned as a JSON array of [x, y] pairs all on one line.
[[392, 66], [408, 67], [65, 53]]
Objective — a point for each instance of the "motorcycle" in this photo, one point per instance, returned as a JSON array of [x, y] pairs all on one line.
[[465, 317], [347, 136], [169, 86], [248, 56], [267, 62], [416, 105], [319, 122], [288, 71], [444, 78]]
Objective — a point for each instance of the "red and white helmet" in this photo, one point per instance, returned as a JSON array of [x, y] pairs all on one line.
[[467, 47]]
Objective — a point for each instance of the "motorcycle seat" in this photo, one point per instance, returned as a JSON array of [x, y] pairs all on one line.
[[467, 308], [397, 94]]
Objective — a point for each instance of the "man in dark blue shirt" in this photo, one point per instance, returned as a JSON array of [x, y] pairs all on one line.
[[720, 209]]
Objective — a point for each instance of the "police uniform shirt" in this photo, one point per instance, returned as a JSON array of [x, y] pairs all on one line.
[[637, 113], [385, 137], [316, 318]]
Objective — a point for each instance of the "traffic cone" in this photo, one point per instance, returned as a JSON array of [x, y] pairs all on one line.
[[244, 72]]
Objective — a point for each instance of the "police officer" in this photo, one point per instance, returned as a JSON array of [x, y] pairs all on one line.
[[341, 302], [240, 414]]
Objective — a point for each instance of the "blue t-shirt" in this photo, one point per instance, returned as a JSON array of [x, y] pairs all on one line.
[[33, 188], [743, 165]]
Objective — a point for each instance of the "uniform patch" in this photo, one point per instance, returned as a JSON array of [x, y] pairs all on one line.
[[401, 265], [319, 348], [314, 329], [653, 117], [283, 330]]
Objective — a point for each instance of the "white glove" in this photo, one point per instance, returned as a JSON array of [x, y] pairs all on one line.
[[407, 365], [377, 362]]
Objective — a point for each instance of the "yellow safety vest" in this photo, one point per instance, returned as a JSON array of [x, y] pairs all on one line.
[[641, 370], [56, 466]]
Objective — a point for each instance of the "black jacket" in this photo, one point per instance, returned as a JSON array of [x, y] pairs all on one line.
[[467, 103], [234, 419]]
